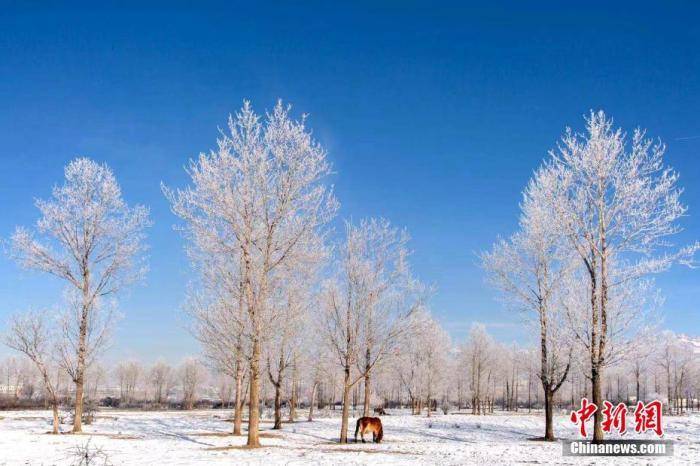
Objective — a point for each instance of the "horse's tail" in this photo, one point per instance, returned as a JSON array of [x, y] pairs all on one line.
[[380, 434], [357, 428]]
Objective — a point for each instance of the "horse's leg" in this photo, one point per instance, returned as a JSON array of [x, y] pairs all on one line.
[[362, 435], [374, 436]]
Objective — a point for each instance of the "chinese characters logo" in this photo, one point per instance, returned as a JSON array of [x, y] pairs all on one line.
[[647, 417]]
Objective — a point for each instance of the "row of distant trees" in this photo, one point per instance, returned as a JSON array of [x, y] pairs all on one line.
[[279, 301], [479, 376], [128, 384]]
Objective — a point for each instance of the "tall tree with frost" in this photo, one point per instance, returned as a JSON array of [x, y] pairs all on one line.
[[358, 331], [529, 269], [384, 252], [617, 204], [259, 201], [91, 239]]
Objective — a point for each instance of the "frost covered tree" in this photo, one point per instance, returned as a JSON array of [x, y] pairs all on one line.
[[675, 356], [386, 284], [420, 361], [293, 302], [192, 374], [362, 319], [128, 374], [259, 201], [434, 343], [95, 379], [530, 269], [88, 236], [160, 377], [12, 374], [478, 355], [617, 205], [224, 388], [217, 311], [31, 335], [318, 369], [406, 368]]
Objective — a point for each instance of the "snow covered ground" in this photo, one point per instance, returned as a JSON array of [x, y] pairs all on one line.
[[201, 437]]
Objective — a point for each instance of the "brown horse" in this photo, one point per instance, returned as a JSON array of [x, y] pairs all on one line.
[[369, 424]]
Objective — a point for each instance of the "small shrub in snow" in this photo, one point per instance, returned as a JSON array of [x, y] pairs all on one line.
[[88, 455]]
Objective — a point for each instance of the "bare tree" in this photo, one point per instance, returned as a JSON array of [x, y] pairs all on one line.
[[30, 334], [259, 202], [92, 240], [617, 205]]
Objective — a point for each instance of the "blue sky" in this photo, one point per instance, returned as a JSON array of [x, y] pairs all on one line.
[[433, 116]]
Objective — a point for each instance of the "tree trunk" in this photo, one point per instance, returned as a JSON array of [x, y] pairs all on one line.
[[80, 374], [368, 390], [668, 389], [529, 392], [597, 398], [548, 409], [82, 350], [254, 402], [278, 406], [238, 409], [293, 401], [78, 415], [54, 407], [346, 406], [598, 401], [311, 401]]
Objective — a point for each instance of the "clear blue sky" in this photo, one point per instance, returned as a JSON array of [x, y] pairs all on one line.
[[434, 117]]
